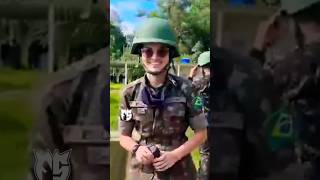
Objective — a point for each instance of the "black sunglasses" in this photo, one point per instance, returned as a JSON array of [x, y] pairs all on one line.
[[148, 52]]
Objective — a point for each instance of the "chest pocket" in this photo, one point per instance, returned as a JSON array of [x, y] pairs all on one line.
[[174, 116], [143, 117]]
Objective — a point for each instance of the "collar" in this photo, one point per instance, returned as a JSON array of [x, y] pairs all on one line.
[[169, 80]]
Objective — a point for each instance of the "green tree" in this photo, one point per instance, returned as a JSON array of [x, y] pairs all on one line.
[[190, 19], [117, 42]]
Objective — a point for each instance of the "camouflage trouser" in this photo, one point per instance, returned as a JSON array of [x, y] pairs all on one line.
[[204, 161], [203, 172], [225, 145], [182, 170], [312, 170]]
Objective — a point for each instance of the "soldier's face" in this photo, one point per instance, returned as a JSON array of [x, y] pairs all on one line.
[[155, 56]]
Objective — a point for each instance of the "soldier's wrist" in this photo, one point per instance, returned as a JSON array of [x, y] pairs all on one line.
[[135, 149], [176, 154]]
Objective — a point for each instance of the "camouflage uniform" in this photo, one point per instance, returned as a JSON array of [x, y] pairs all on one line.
[[297, 79], [238, 105], [163, 123], [201, 86], [73, 117]]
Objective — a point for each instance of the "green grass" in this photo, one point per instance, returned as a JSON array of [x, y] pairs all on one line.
[[16, 122], [115, 97], [114, 86], [114, 109], [17, 79], [195, 154], [14, 159]]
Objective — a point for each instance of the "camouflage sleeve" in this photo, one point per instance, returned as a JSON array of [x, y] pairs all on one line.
[[196, 86], [248, 89], [279, 76], [291, 76], [196, 117], [126, 123], [225, 152], [46, 135]]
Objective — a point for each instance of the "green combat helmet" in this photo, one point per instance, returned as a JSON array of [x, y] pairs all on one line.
[[293, 6], [204, 58], [155, 30]]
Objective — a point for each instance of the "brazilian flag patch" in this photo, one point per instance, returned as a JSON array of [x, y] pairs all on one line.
[[280, 129], [198, 103]]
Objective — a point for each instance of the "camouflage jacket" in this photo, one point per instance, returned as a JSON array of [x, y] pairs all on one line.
[[201, 86], [70, 139], [238, 100], [164, 124], [239, 106], [297, 79]]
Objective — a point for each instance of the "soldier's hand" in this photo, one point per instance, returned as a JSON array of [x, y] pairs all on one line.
[[165, 161], [144, 156], [267, 33], [193, 71]]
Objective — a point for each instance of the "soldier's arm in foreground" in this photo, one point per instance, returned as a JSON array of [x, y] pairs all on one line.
[[126, 126], [193, 72], [237, 116], [236, 141], [46, 135]]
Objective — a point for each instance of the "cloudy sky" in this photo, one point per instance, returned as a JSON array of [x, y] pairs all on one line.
[[125, 11]]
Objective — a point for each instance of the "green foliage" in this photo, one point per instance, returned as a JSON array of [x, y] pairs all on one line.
[[117, 42], [137, 72], [199, 19], [128, 57], [190, 19]]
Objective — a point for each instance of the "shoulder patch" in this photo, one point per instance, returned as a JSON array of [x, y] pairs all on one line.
[[125, 114], [135, 82], [128, 89]]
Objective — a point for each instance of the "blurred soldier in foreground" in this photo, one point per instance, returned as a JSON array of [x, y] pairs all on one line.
[[296, 76], [200, 77], [297, 79], [70, 140], [238, 105]]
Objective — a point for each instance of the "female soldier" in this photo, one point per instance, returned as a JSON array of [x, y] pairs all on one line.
[[159, 107]]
